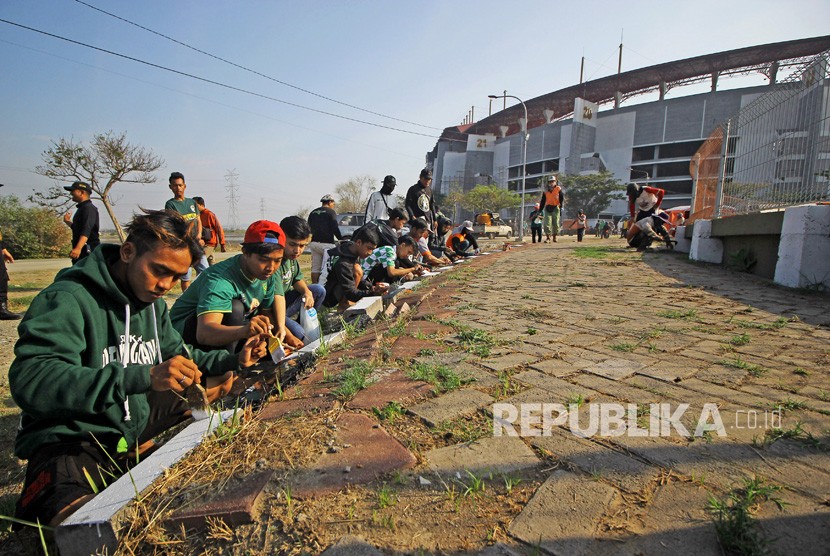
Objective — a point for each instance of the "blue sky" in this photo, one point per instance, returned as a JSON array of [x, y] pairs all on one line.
[[423, 61]]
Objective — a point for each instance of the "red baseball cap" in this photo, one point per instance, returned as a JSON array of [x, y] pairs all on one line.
[[256, 233]]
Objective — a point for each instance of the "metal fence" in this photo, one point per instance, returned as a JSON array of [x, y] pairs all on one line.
[[773, 153]]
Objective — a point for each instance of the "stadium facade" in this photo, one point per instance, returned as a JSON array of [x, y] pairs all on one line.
[[587, 128]]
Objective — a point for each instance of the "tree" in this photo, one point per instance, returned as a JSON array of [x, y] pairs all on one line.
[[32, 232], [353, 195], [107, 160], [489, 197], [591, 193], [303, 212]]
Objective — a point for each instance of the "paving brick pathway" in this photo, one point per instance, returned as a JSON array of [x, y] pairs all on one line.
[[596, 327]]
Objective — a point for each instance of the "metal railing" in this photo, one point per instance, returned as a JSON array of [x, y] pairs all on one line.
[[773, 153]]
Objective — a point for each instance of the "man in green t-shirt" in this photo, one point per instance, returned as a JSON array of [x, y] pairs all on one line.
[[299, 295], [190, 211], [236, 298]]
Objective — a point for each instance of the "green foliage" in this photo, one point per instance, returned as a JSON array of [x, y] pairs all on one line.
[[32, 232], [441, 376], [353, 379], [591, 193], [735, 523], [389, 412], [489, 197]]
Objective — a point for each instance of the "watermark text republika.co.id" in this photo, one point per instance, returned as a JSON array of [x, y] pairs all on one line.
[[616, 419]]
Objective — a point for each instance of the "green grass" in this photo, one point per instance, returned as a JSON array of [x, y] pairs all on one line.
[[779, 323], [735, 523], [738, 363], [801, 372], [575, 399], [476, 341], [389, 412], [624, 347], [386, 497], [593, 252], [440, 376], [688, 314], [791, 405], [465, 429], [353, 379], [739, 340]]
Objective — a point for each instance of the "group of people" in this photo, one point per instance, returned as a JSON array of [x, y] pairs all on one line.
[[102, 365], [378, 253]]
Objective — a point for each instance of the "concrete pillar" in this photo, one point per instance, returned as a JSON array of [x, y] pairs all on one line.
[[804, 249], [704, 247], [683, 245]]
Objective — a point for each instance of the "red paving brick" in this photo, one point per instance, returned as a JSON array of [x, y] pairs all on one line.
[[372, 453], [428, 328], [281, 408], [235, 505], [395, 387], [408, 348]]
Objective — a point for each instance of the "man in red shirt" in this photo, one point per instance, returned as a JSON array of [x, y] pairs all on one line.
[[212, 228]]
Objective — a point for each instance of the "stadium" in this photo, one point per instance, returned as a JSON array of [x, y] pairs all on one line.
[[612, 124]]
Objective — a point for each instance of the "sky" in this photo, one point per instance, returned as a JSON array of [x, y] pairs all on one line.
[[424, 62]]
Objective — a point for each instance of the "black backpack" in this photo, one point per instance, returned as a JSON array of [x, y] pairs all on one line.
[[387, 234]]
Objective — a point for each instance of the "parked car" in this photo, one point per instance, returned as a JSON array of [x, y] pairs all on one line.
[[491, 225], [348, 222]]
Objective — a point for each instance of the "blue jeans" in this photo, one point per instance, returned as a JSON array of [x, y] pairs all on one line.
[[200, 266], [294, 304]]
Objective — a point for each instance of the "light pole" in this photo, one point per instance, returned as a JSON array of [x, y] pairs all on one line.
[[524, 164]]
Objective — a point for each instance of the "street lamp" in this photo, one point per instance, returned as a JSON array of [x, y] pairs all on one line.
[[524, 164]]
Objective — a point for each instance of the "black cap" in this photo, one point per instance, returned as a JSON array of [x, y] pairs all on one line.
[[390, 180], [426, 173], [82, 185]]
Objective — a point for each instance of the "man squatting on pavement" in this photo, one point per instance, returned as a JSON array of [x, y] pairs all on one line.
[[99, 368]]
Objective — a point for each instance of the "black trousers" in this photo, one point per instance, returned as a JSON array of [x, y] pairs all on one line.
[[534, 231], [235, 318], [58, 474]]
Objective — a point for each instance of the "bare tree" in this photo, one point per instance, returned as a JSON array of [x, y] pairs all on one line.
[[303, 211], [107, 160], [353, 195]]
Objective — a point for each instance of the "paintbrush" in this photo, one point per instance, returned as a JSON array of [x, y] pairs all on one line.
[[195, 395]]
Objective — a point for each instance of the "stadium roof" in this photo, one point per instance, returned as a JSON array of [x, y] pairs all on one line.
[[767, 59]]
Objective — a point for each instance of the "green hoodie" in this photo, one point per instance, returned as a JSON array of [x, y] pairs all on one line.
[[70, 375]]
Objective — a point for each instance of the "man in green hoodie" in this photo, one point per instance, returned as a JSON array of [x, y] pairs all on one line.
[[99, 369]]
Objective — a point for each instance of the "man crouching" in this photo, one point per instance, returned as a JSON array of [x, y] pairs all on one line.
[[98, 367]]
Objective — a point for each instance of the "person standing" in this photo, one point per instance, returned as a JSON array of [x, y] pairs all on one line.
[[536, 218], [212, 232], [551, 203], [5, 257], [381, 202], [84, 223], [324, 230], [581, 224], [189, 211], [419, 200]]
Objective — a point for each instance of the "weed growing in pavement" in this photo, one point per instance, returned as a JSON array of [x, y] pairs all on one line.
[[791, 405], [592, 252], [575, 399], [386, 521], [399, 328], [476, 485], [738, 363], [532, 331], [739, 340], [510, 483], [289, 502], [616, 320], [425, 352], [796, 432], [652, 334], [578, 285], [526, 296], [688, 314], [353, 379], [440, 376], [824, 396], [624, 347], [779, 323], [465, 429], [735, 524], [801, 372], [389, 412], [506, 386], [386, 497]]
